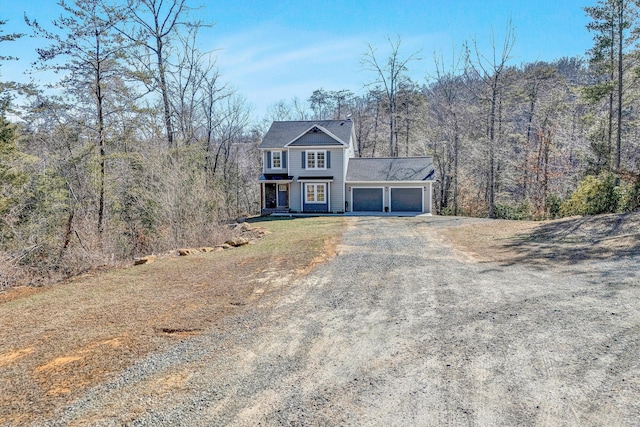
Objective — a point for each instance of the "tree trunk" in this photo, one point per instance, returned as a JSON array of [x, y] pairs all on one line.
[[456, 149], [492, 123], [101, 138], [611, 77], [620, 52], [164, 90]]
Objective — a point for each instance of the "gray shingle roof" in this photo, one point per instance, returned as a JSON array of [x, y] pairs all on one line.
[[363, 169], [282, 133]]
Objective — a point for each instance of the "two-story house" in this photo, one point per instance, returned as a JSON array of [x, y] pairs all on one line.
[[309, 167]]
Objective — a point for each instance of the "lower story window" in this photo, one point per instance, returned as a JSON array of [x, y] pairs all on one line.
[[315, 193]]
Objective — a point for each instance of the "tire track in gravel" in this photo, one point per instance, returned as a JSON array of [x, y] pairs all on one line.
[[397, 330]]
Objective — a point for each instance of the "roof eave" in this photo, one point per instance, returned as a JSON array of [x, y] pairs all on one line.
[[387, 182]]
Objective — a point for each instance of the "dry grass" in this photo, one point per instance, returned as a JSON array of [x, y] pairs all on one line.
[[58, 341], [488, 240], [565, 242]]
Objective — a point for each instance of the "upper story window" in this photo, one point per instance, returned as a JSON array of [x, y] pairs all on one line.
[[276, 160], [316, 160]]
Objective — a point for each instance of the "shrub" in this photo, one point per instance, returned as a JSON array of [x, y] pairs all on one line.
[[634, 197], [629, 195], [552, 205], [517, 211], [595, 195]]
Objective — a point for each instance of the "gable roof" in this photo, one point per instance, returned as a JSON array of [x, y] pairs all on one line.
[[281, 134], [381, 169]]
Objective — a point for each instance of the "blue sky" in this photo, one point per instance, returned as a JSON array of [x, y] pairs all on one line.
[[273, 49]]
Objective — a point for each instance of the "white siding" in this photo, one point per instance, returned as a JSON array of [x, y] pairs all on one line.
[[295, 201]]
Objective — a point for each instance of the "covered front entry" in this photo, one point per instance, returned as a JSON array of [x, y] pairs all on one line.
[[275, 196], [275, 191], [406, 199], [367, 199]]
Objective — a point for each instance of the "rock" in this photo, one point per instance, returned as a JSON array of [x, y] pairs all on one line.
[[223, 246], [185, 252], [237, 241], [207, 249], [242, 226], [149, 259]]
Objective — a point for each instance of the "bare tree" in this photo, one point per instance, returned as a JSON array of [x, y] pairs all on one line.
[[447, 109], [154, 25], [490, 72], [195, 88], [389, 76]]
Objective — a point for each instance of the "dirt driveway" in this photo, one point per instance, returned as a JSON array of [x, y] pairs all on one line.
[[402, 328]]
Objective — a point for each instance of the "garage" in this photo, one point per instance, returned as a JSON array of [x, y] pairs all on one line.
[[406, 199], [367, 199], [396, 185]]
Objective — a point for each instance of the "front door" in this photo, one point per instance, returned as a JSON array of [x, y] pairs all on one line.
[[283, 195], [270, 196]]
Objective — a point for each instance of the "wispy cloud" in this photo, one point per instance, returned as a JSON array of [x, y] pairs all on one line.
[[269, 64], [264, 50]]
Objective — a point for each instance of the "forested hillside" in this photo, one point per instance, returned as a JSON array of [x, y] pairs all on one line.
[[139, 147]]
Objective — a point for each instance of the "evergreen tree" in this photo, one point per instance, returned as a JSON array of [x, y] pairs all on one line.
[[615, 32], [86, 49]]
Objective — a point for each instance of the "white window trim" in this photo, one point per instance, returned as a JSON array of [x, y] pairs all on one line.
[[273, 160], [315, 159], [315, 193]]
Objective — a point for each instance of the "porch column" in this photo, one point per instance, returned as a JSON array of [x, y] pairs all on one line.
[[261, 196]]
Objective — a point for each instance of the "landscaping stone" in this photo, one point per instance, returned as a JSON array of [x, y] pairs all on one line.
[[149, 259], [237, 241]]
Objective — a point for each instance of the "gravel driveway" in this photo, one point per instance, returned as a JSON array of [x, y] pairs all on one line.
[[400, 329]]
